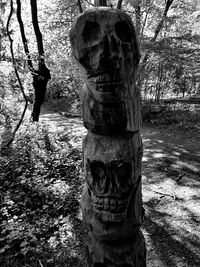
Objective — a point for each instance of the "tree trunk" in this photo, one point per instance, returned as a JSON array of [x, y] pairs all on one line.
[[42, 75], [40, 80], [18, 77], [138, 19], [111, 201]]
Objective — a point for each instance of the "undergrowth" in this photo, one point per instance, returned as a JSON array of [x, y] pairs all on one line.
[[40, 185], [175, 120]]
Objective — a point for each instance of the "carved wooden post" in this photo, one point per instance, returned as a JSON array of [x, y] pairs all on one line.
[[104, 44]]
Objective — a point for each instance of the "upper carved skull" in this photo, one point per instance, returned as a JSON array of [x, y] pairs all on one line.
[[104, 43]]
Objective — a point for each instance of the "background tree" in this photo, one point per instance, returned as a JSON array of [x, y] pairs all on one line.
[[42, 74]]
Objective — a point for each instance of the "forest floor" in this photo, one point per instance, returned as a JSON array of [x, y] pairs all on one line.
[[171, 197], [171, 191]]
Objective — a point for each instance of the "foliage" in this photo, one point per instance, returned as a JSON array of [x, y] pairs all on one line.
[[40, 187], [172, 68], [176, 47], [177, 115]]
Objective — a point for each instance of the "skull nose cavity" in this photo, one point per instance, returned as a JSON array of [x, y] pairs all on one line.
[[110, 48], [114, 44], [113, 185], [106, 51]]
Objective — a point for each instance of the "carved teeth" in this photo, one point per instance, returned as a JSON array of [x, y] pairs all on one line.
[[106, 202], [108, 87], [110, 217], [110, 204], [100, 207], [107, 77]]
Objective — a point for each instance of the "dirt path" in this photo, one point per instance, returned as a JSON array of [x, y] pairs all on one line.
[[171, 194], [171, 191], [71, 126]]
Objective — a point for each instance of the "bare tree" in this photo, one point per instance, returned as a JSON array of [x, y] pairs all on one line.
[[80, 6], [17, 75], [119, 5], [42, 75], [141, 69]]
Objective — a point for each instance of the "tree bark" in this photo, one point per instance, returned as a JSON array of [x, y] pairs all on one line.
[[138, 19], [40, 80], [42, 75], [24, 40], [80, 6], [119, 4]]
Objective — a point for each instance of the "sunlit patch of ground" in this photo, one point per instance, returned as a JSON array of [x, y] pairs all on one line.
[[72, 127], [171, 195]]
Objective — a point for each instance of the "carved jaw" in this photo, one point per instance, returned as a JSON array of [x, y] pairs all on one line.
[[107, 225], [106, 86], [108, 83], [110, 208]]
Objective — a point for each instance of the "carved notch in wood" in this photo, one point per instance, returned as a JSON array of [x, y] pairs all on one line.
[[100, 2]]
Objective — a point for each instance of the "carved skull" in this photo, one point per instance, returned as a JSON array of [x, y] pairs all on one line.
[[105, 46], [111, 175], [104, 43]]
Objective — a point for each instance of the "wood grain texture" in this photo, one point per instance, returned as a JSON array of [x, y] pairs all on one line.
[[104, 43], [105, 46]]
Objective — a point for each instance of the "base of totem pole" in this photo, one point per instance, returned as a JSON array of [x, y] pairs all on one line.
[[121, 253]]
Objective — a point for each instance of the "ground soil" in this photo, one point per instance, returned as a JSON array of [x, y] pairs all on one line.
[[171, 192]]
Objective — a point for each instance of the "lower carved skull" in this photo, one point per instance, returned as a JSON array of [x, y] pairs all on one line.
[[111, 176], [110, 185]]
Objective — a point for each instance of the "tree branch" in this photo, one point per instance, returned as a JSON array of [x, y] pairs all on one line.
[[37, 31], [160, 24], [138, 19], [143, 26], [80, 6], [157, 31], [119, 5], [24, 40], [17, 75]]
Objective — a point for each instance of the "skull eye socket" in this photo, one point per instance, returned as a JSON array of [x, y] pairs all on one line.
[[124, 31], [91, 31], [124, 170], [98, 170]]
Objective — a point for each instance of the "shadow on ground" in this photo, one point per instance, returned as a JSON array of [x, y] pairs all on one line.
[[171, 195]]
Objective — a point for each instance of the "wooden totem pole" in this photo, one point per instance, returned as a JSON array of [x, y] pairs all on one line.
[[104, 44]]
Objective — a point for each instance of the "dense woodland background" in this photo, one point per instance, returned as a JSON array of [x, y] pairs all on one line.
[[168, 34], [37, 206]]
